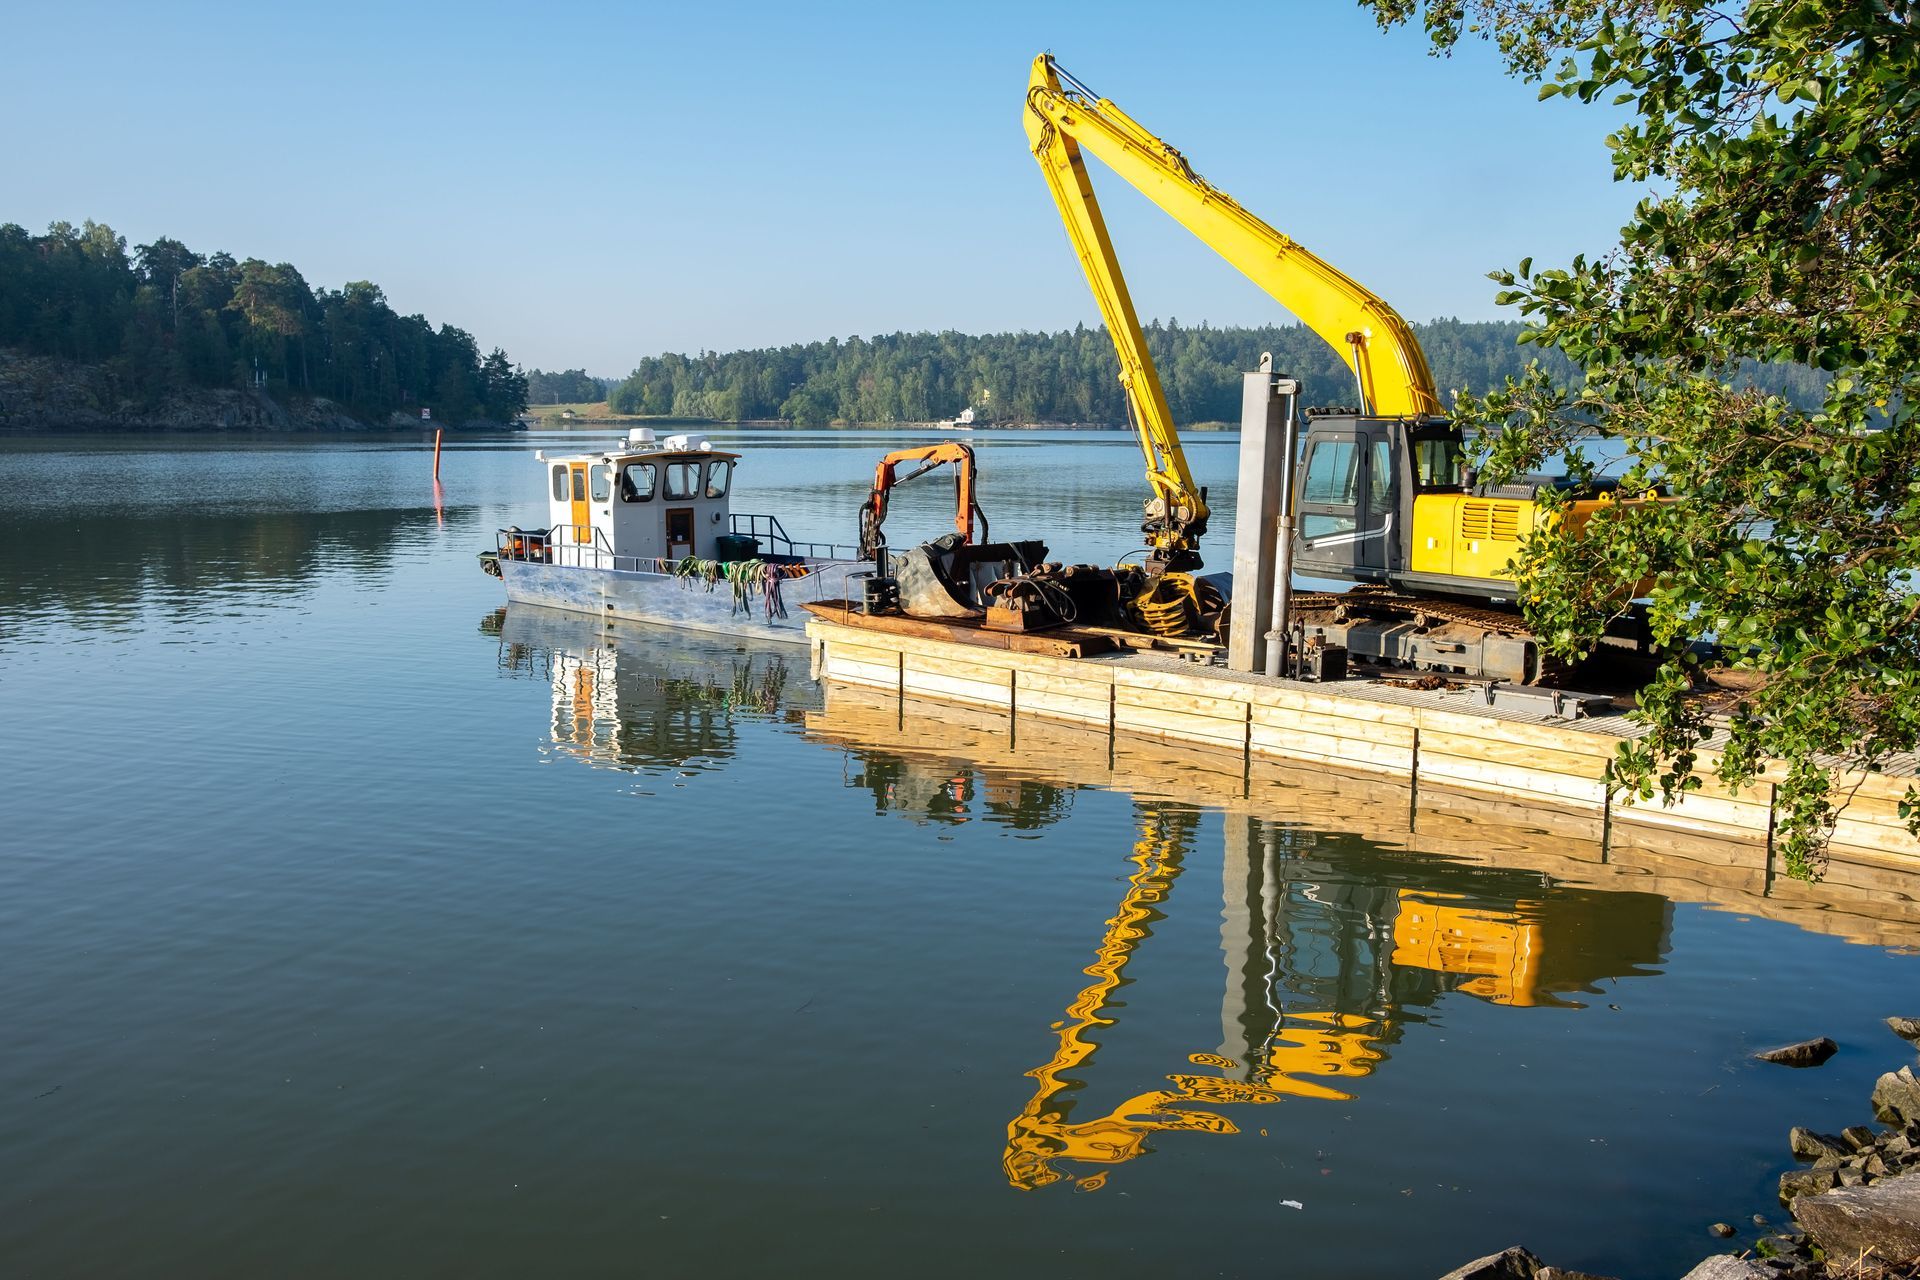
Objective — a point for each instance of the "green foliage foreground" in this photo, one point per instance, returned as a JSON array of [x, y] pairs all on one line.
[[166, 319], [1779, 135]]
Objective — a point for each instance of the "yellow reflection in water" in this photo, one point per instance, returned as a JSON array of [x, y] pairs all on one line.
[[1492, 950], [1338, 927], [1044, 1134]]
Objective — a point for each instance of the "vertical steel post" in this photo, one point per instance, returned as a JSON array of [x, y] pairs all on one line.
[[1256, 510], [1286, 399]]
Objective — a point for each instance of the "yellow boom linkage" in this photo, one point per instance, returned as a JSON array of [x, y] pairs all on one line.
[[1388, 365], [1177, 513]]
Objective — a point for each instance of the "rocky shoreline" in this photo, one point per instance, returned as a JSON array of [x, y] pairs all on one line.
[[44, 394], [1855, 1204]]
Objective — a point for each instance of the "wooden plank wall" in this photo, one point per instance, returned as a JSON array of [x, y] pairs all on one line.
[[1545, 767]]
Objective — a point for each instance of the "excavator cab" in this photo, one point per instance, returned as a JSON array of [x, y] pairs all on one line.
[[1356, 483]]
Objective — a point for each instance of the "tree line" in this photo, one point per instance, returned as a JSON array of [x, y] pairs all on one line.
[[569, 386], [1070, 376], [164, 319]]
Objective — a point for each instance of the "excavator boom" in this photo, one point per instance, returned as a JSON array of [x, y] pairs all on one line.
[[1177, 514], [1063, 116]]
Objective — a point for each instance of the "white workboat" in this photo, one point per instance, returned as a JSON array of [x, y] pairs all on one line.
[[644, 532]]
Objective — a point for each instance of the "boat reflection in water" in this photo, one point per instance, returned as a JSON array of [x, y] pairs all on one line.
[[649, 699], [1334, 945]]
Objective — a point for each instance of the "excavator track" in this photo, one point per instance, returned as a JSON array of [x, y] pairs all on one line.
[[1450, 638], [1421, 610]]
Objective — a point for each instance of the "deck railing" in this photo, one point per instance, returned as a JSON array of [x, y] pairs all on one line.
[[582, 546], [578, 546], [769, 528]]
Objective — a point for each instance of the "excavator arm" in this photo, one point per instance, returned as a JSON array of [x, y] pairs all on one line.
[[1062, 117], [1177, 513], [887, 477]]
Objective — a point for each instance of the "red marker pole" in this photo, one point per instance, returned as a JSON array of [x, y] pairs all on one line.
[[436, 455]]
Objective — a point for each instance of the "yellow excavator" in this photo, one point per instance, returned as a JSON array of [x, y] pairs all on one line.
[[1381, 496]]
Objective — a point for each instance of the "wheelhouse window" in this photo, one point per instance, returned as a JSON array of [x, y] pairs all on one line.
[[683, 480], [601, 481], [560, 484], [638, 481], [579, 484], [719, 475]]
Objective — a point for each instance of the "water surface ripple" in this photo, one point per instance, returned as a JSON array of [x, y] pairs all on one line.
[[355, 926]]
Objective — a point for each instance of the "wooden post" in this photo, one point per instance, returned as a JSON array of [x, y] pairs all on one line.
[[436, 455]]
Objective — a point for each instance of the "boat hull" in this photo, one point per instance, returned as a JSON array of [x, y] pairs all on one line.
[[676, 602]]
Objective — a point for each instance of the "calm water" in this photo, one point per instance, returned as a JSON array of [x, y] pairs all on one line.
[[352, 928]]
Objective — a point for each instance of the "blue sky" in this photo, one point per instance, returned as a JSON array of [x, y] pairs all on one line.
[[584, 184]]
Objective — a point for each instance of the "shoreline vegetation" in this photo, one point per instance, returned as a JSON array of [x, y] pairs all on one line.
[[1072, 376], [566, 417], [97, 337], [93, 337]]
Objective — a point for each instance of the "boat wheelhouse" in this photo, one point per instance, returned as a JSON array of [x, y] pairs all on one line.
[[645, 531]]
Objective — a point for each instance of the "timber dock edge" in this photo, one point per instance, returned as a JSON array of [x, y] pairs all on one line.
[[1362, 728]]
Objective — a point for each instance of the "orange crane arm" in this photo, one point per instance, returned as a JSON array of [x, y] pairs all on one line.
[[886, 477]]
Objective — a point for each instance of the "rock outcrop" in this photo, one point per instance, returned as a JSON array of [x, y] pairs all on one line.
[[1509, 1264], [1807, 1053], [1879, 1224], [45, 394], [1896, 1097], [1808, 1145], [1905, 1028], [1727, 1267]]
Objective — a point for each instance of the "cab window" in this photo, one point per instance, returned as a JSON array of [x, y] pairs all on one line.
[[601, 480], [637, 482], [1380, 475], [1330, 483], [719, 472], [579, 484], [1436, 463], [1330, 473], [559, 484], [683, 479]]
